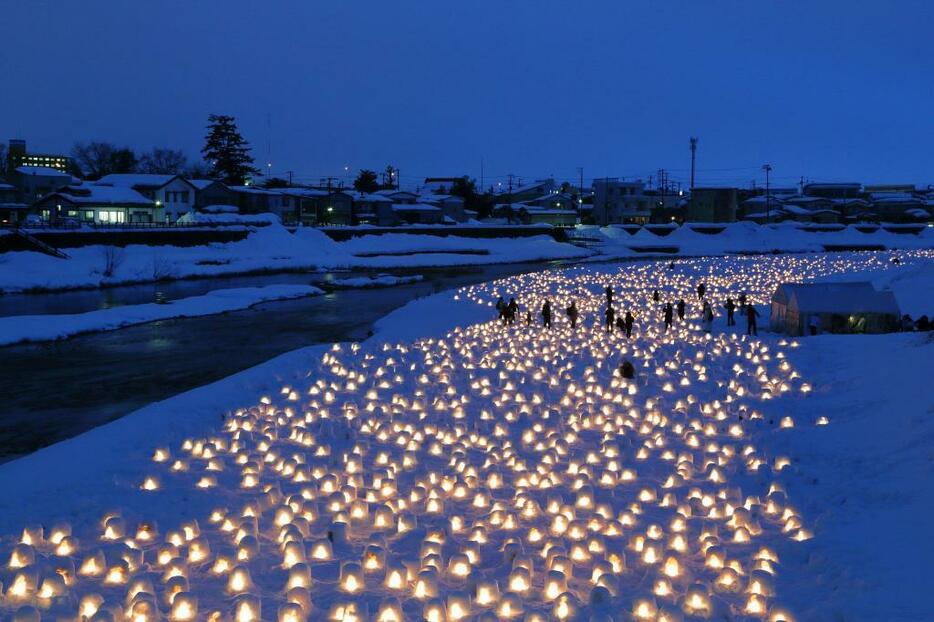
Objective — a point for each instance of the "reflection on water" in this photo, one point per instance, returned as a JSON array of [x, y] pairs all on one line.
[[53, 391]]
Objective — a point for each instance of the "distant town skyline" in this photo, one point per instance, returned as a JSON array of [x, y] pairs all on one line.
[[836, 91]]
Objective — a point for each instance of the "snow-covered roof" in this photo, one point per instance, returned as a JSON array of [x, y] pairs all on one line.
[[415, 207], [917, 212], [371, 197], [135, 179], [97, 194], [4, 186], [855, 297], [304, 192], [201, 184], [41, 170], [255, 190], [763, 200], [804, 211]]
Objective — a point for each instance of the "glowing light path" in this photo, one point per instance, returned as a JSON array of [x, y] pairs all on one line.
[[498, 473]]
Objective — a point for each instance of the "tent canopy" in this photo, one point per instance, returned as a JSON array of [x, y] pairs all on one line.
[[842, 298]]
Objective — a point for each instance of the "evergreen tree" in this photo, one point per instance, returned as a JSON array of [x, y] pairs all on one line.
[[366, 181], [227, 153]]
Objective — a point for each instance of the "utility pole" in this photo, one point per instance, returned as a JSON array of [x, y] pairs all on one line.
[[768, 198], [693, 158], [509, 201], [481, 174], [580, 192], [662, 185], [290, 176]]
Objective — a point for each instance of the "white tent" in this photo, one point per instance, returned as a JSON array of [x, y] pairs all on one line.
[[833, 307]]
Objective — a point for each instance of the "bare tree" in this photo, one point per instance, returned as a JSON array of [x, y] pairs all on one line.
[[198, 170], [96, 159], [163, 161]]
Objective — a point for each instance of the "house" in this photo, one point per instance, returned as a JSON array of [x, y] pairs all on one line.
[[255, 200], [806, 214], [451, 205], [441, 185], [531, 191], [12, 210], [179, 195], [98, 204], [616, 201], [763, 208], [399, 196], [712, 205], [319, 207], [366, 206], [392, 214], [145, 183], [34, 182], [895, 206], [802, 308]]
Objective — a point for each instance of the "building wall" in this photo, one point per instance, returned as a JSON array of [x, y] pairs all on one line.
[[177, 198], [712, 205], [618, 202]]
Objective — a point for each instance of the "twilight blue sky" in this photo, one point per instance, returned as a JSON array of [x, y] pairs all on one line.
[[831, 90]]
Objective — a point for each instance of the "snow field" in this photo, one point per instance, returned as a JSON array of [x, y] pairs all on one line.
[[491, 473]]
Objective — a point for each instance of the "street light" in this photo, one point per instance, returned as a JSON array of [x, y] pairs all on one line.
[[768, 198]]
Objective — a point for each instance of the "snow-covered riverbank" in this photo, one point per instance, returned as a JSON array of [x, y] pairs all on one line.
[[49, 327], [506, 468], [269, 249]]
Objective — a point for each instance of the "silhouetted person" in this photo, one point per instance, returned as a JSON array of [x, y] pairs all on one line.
[[751, 315], [609, 296], [701, 290], [620, 324], [742, 303], [671, 265], [730, 308], [501, 309], [707, 314], [669, 315], [681, 309], [546, 314], [814, 324], [629, 320], [655, 296], [528, 318], [908, 324], [609, 314], [511, 310], [626, 370], [572, 313]]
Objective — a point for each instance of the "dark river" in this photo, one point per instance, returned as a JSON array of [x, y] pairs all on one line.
[[55, 390]]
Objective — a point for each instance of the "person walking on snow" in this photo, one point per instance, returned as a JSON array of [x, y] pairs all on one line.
[[609, 315], [708, 317], [546, 314], [572, 313], [655, 296], [501, 309], [669, 314], [701, 289], [609, 296], [681, 309], [511, 310], [730, 308], [629, 320], [751, 315]]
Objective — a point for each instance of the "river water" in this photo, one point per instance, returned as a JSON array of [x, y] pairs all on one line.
[[56, 390]]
